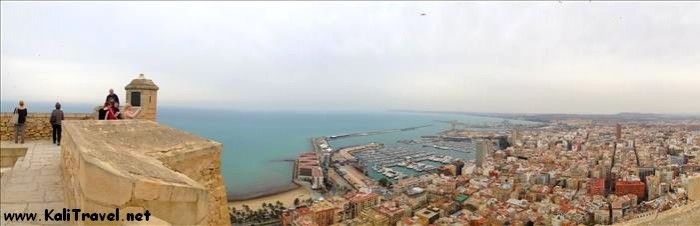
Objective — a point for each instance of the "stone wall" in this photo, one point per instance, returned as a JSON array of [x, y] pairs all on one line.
[[683, 215], [143, 165], [9, 155], [204, 166], [693, 188], [37, 126]]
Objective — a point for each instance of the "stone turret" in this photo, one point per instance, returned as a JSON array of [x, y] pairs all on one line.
[[142, 94]]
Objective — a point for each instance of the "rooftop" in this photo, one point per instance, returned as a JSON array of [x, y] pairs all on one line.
[[141, 83]]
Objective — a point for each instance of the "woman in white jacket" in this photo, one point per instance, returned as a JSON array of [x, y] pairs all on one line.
[[129, 112]]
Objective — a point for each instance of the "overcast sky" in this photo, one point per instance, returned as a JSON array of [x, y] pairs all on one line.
[[571, 57]]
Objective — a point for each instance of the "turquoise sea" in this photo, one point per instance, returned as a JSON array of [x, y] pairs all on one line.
[[258, 144]]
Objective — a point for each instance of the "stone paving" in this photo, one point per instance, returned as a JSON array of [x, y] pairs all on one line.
[[34, 183]]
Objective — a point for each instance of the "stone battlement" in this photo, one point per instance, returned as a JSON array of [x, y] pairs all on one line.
[[37, 125], [142, 164], [134, 165]]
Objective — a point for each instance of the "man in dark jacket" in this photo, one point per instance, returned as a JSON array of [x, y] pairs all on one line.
[[102, 112], [112, 96], [56, 118]]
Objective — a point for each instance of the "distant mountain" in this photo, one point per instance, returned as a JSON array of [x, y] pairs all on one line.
[[549, 117]]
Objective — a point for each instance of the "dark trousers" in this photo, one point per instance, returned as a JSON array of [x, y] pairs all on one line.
[[56, 133], [19, 133]]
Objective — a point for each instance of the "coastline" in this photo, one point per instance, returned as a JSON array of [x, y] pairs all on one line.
[[286, 197], [269, 191]]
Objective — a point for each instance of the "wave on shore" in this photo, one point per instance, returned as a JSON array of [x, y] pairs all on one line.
[[267, 192]]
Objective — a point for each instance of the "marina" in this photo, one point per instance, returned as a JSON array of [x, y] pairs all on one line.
[[387, 162]]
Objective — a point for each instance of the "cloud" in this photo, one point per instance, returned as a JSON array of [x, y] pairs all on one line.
[[503, 56]]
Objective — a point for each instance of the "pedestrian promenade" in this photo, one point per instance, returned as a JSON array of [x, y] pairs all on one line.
[[34, 183]]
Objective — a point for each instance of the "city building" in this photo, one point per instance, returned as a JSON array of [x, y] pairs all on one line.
[[360, 201], [482, 150], [630, 187], [324, 213], [596, 187], [393, 212], [373, 217], [297, 216], [307, 168], [428, 215]]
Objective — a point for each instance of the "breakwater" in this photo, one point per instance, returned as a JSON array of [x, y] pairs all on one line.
[[370, 133]]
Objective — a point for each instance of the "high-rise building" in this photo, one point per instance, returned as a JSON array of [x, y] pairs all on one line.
[[618, 132], [502, 142], [652, 186], [514, 137], [644, 172], [459, 165], [482, 150], [689, 139]]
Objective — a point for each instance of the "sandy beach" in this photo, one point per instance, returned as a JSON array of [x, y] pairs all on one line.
[[286, 197]]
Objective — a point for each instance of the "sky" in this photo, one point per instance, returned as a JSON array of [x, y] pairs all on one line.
[[509, 57]]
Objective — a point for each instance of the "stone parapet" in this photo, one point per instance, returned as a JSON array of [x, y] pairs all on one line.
[[37, 126], [683, 215], [9, 155], [142, 164]]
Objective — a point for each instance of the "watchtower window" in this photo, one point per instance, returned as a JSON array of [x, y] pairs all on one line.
[[136, 99]]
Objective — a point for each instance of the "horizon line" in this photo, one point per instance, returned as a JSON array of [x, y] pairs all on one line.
[[439, 111]]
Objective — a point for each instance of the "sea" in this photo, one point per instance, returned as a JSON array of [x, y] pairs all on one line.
[[259, 146]]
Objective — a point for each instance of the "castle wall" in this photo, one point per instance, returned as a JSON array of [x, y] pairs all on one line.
[[144, 165], [204, 166], [101, 179], [37, 126], [694, 188]]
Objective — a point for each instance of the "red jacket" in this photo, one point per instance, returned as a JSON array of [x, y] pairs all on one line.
[[111, 114]]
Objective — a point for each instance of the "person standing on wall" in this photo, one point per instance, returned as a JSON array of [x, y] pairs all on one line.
[[112, 96], [56, 118], [21, 114]]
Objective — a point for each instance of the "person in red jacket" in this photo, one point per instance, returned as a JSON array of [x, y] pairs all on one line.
[[113, 111]]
